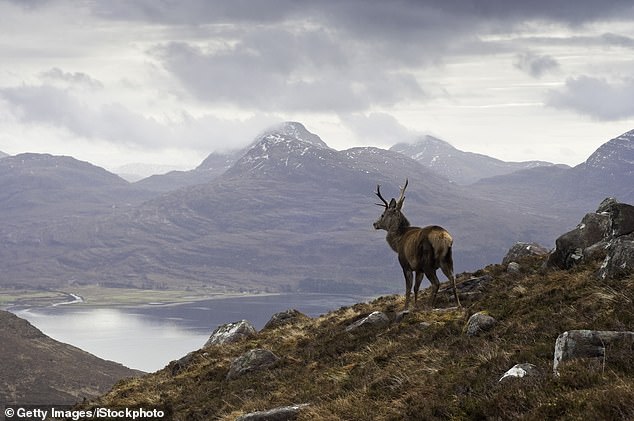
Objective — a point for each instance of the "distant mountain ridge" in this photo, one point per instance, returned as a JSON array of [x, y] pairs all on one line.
[[456, 165], [2, 154], [291, 213]]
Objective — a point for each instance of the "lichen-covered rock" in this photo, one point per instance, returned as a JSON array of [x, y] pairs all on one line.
[[520, 250], [619, 261], [521, 371], [284, 413], [589, 344], [231, 332], [513, 267], [478, 323], [253, 360], [285, 317], [374, 319], [594, 227], [606, 235]]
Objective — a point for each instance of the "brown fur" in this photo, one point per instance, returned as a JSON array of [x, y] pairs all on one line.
[[420, 250]]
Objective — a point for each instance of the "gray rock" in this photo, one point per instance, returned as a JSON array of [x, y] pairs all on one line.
[[622, 216], [619, 261], [182, 364], [478, 323], [231, 332], [285, 413], [594, 227], [401, 315], [521, 371], [254, 360], [285, 317], [520, 250], [513, 267], [588, 344], [374, 319]]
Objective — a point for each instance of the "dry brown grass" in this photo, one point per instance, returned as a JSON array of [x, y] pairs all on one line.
[[411, 370]]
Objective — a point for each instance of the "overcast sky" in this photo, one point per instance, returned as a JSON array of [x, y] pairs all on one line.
[[169, 81]]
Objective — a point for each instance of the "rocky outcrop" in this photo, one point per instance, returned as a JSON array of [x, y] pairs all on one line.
[[282, 318], [607, 234], [231, 332], [478, 323], [374, 319], [285, 413], [253, 360], [521, 250], [589, 344]]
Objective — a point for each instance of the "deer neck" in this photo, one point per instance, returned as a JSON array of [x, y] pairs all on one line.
[[395, 236]]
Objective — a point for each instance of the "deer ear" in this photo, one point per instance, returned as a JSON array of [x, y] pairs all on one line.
[[392, 203]]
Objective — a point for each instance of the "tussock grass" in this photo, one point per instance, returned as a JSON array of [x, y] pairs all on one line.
[[423, 367]]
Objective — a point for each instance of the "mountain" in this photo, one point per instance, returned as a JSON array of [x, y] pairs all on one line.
[[211, 168], [406, 367], [608, 172], [2, 154], [290, 214], [459, 166], [47, 186], [138, 171], [35, 369]]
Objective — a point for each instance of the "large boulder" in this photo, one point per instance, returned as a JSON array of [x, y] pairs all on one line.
[[283, 318], [589, 344], [606, 234], [521, 250], [372, 320], [478, 323], [254, 360], [231, 332], [619, 261]]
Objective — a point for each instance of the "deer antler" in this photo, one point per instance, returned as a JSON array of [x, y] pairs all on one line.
[[378, 193], [401, 198]]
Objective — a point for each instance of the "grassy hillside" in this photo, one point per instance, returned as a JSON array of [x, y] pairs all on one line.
[[425, 366]]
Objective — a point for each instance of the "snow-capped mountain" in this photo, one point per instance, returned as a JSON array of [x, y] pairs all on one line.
[[614, 157], [456, 165], [2, 154]]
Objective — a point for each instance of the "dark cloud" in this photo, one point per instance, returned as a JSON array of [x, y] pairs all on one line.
[[535, 65], [282, 70], [596, 97]]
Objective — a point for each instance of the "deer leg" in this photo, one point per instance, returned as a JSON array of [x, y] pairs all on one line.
[[419, 279], [408, 286], [448, 271], [435, 284]]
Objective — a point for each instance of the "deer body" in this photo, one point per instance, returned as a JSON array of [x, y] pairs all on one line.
[[420, 250]]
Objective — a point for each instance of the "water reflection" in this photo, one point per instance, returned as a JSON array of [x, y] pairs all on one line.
[[148, 337]]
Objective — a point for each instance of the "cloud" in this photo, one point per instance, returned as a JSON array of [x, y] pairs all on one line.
[[535, 65], [596, 97], [51, 106], [380, 129], [285, 70], [77, 78]]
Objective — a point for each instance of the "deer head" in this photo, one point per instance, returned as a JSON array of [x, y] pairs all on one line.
[[392, 219]]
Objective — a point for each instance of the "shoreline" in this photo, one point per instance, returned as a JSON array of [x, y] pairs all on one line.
[[95, 297]]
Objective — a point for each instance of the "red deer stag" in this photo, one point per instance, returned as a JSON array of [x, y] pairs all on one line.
[[420, 250]]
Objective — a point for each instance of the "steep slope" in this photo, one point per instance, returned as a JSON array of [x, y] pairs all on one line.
[[35, 369], [422, 365], [459, 166]]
